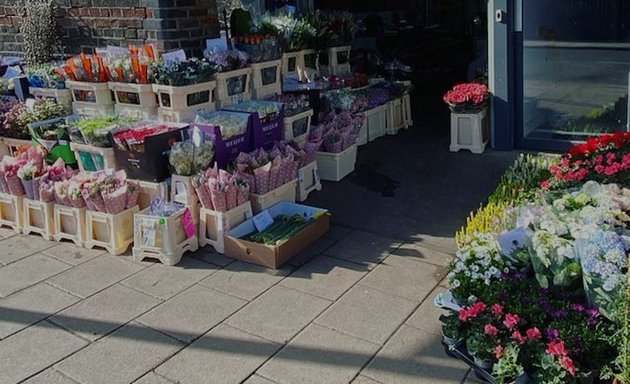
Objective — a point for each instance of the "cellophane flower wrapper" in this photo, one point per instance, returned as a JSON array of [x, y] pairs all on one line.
[[262, 176], [242, 188], [187, 159], [74, 194], [200, 185], [36, 186], [116, 201], [47, 190], [4, 187], [231, 194], [133, 193], [217, 193], [15, 185], [61, 193], [333, 142], [28, 188]]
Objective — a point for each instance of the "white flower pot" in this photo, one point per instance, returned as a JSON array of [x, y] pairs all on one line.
[[469, 131]]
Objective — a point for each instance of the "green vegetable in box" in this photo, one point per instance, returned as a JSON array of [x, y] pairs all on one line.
[[283, 228], [94, 130]]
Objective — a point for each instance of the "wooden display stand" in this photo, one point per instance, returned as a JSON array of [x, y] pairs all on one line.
[[182, 191], [261, 90], [308, 181], [284, 192], [9, 146], [224, 98], [150, 191], [334, 66], [395, 116], [376, 119], [336, 166], [177, 104], [134, 100], [291, 61], [112, 232]]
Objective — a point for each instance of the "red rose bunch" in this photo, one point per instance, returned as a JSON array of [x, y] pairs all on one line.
[[467, 97]]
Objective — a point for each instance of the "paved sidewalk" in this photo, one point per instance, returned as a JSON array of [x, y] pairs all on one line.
[[355, 307]]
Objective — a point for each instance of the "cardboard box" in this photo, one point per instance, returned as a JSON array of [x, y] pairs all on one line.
[[266, 130], [276, 255], [226, 149]]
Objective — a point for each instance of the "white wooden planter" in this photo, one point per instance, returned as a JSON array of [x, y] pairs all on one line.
[[90, 93], [182, 191], [12, 212], [469, 131], [334, 67], [150, 191], [91, 109], [291, 61], [213, 225], [161, 238], [177, 104], [294, 125], [363, 134], [306, 62], [261, 90], [60, 96], [224, 98], [112, 232], [135, 100], [376, 122]]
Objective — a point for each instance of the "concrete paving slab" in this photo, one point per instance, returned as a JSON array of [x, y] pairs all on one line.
[[414, 356], [222, 356], [164, 282], [364, 380], [208, 255], [107, 310], [121, 357], [367, 313], [34, 349], [279, 314], [312, 251], [427, 316], [50, 376], [325, 277], [403, 277], [71, 254], [95, 275], [363, 248], [28, 271], [245, 280], [337, 232], [191, 313], [31, 305], [5, 233], [255, 379], [319, 355], [153, 378], [416, 251], [19, 247]]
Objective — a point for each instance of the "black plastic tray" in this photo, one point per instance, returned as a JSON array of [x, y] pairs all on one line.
[[459, 352]]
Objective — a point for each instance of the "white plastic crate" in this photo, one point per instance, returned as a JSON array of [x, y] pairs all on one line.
[[70, 224], [10, 146], [90, 93], [291, 61], [295, 121], [376, 122], [214, 225], [39, 218], [134, 94], [182, 191], [406, 100], [111, 232], [306, 61], [263, 91], [91, 109], [60, 96], [308, 181], [138, 112], [176, 98], [99, 158], [150, 191], [224, 99], [284, 192], [363, 134], [395, 116], [12, 212], [161, 238], [336, 166], [334, 67]]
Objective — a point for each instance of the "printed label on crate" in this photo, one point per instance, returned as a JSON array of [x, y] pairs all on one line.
[[148, 233], [262, 220], [188, 224]]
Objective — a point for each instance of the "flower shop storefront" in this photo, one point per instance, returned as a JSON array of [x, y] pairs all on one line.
[[559, 70]]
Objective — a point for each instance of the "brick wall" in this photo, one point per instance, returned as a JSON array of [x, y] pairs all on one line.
[[85, 24]]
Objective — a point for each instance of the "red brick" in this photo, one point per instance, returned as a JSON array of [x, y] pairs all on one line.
[[149, 13], [127, 23], [102, 23], [5, 21], [16, 20], [116, 12], [83, 11], [140, 13], [128, 12]]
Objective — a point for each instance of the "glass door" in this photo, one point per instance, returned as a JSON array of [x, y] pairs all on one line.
[[575, 70]]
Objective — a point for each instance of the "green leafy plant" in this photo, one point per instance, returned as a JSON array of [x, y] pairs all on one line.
[[95, 130], [451, 326], [508, 367], [191, 71]]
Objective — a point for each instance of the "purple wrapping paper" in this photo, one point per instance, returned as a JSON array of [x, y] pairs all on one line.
[[250, 179], [262, 179], [36, 183], [274, 174], [15, 186], [47, 193], [132, 198], [204, 195], [78, 203], [242, 195], [218, 200], [231, 197], [4, 187], [116, 201]]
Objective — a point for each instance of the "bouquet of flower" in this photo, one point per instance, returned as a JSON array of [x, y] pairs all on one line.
[[221, 191], [229, 60], [295, 33], [85, 68], [16, 120], [333, 28], [45, 76], [112, 194], [267, 110], [467, 98], [181, 73], [132, 137], [188, 159], [338, 131], [268, 170], [259, 48], [375, 96], [293, 103], [133, 67], [230, 123], [95, 130]]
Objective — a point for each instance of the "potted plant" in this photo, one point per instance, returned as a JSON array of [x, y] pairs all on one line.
[[508, 369], [233, 76], [480, 347], [469, 118], [451, 333]]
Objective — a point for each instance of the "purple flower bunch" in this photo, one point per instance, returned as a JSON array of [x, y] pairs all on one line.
[[229, 60]]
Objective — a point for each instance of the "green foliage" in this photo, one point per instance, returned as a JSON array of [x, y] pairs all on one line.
[[191, 71], [38, 29], [507, 369]]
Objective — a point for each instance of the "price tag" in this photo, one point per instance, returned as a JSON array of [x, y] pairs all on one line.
[[174, 57], [187, 224], [262, 220]]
